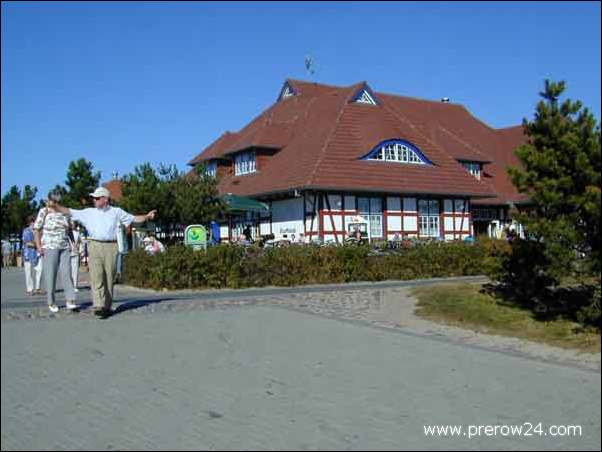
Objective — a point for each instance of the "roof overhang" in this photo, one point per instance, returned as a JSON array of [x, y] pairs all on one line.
[[244, 204], [305, 188]]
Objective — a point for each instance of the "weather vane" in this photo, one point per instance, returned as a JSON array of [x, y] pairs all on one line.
[[309, 65]]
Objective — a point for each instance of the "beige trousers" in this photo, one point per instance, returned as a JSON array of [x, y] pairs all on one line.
[[102, 262]]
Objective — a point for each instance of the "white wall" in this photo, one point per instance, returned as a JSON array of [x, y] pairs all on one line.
[[264, 227], [394, 223], [287, 217], [223, 231], [336, 219]]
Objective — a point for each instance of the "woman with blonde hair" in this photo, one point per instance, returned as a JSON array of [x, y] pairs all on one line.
[[52, 231]]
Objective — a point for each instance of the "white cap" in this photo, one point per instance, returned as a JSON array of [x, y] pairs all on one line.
[[100, 192]]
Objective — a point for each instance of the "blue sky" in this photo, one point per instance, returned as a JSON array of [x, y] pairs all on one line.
[[125, 83]]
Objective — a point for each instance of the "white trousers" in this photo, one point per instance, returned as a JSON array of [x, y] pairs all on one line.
[[33, 274], [74, 269]]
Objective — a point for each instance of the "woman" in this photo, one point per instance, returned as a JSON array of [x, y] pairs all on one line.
[[52, 233], [32, 263]]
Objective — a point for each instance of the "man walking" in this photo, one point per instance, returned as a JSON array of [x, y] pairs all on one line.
[[102, 222]]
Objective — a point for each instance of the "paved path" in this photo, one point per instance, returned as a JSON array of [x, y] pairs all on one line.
[[173, 371]]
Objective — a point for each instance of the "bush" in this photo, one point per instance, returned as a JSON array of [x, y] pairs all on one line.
[[522, 270], [234, 266]]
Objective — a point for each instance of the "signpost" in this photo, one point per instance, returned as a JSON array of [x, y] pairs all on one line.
[[195, 235]]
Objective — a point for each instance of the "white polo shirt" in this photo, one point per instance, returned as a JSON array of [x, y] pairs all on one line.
[[102, 224]]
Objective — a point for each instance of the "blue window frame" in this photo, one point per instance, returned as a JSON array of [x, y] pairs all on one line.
[[399, 151]]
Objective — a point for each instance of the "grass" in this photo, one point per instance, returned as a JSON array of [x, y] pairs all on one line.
[[468, 307]]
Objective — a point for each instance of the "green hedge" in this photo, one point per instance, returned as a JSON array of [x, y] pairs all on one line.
[[236, 267]]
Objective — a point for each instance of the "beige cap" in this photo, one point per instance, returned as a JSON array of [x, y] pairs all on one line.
[[100, 192]]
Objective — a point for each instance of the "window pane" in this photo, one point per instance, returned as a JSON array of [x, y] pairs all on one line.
[[363, 205], [376, 205], [376, 227]]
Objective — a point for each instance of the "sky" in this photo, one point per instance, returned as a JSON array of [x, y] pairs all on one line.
[[121, 84]]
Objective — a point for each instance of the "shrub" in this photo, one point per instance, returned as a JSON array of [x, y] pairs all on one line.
[[234, 266]]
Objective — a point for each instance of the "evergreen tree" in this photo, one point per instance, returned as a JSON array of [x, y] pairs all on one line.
[[16, 207], [180, 199], [561, 174], [196, 198], [81, 181]]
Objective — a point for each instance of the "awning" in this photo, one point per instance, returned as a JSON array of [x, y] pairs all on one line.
[[242, 204]]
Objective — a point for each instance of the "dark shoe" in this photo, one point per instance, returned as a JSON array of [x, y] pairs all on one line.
[[103, 313]]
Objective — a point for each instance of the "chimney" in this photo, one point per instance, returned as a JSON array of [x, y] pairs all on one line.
[[114, 175]]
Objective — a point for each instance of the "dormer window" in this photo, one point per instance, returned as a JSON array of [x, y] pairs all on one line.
[[211, 168], [398, 151], [365, 98], [286, 92], [244, 163], [473, 168], [364, 95]]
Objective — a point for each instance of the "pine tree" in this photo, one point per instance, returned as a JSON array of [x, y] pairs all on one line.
[[561, 175], [81, 181]]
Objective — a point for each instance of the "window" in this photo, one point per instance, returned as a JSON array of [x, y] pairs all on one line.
[[244, 163], [428, 212], [483, 214], [211, 168], [365, 98], [288, 92], [372, 210], [397, 151], [473, 168]]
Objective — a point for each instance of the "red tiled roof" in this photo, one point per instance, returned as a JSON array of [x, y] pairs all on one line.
[[114, 186], [322, 137], [215, 149], [503, 157]]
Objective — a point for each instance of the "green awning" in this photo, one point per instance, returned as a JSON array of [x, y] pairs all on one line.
[[242, 204]]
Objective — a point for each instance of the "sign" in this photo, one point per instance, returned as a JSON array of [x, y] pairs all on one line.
[[195, 235]]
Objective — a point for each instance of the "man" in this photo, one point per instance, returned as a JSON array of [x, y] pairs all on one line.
[[102, 223]]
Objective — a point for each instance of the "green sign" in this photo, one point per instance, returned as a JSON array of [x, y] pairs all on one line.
[[196, 236]]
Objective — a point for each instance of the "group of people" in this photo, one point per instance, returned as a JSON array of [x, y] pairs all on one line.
[[51, 240], [33, 263]]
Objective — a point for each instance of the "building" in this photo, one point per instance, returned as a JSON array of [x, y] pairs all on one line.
[[327, 159]]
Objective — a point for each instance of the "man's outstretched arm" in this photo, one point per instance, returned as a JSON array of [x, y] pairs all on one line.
[[142, 218]]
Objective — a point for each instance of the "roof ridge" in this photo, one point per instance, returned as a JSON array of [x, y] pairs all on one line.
[[326, 85], [330, 135], [437, 102]]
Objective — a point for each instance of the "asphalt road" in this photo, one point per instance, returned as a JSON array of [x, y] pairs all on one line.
[[258, 377]]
